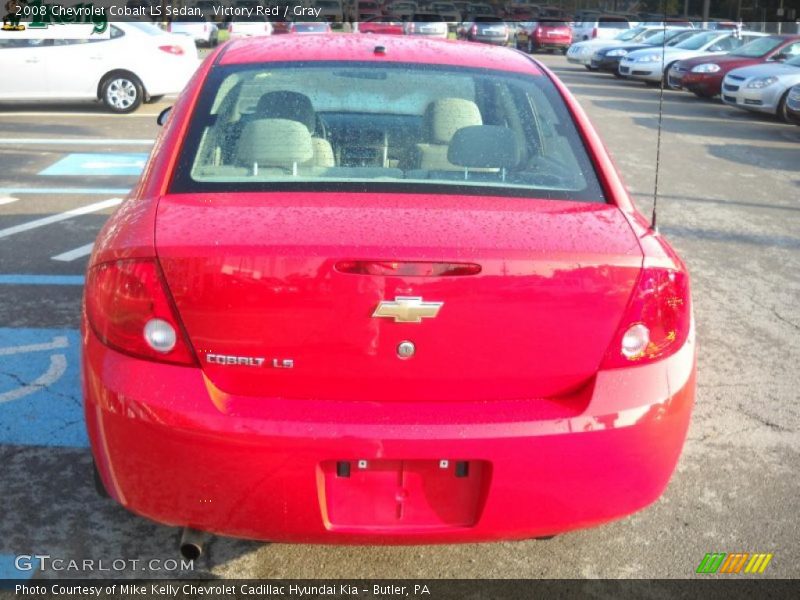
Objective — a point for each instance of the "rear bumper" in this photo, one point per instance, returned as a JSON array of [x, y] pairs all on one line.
[[171, 447]]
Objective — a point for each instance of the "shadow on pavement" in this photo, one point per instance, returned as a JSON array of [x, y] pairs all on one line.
[[765, 158], [58, 513]]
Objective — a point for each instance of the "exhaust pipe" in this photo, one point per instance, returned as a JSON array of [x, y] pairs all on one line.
[[192, 543]]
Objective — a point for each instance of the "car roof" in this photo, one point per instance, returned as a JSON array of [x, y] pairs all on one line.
[[358, 47]]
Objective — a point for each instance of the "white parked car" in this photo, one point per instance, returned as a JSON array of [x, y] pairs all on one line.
[[651, 64], [255, 25], [762, 88], [580, 53], [138, 63], [196, 28], [426, 24], [603, 27]]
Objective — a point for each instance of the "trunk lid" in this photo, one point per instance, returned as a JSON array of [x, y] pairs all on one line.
[[255, 276]]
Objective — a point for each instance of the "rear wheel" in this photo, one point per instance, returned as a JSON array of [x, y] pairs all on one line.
[[122, 92]]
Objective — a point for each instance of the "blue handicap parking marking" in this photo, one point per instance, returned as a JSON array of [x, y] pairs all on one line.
[[129, 163], [40, 392], [9, 570]]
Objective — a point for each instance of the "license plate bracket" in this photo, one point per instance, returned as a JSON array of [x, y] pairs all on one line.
[[411, 494]]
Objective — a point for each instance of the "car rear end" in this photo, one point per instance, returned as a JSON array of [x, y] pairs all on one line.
[[253, 27], [499, 349], [165, 61], [309, 27], [199, 30], [601, 29], [428, 25], [550, 35], [489, 30]]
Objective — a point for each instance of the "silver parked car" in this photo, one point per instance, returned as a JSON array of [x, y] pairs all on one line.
[[762, 88], [488, 30], [426, 24]]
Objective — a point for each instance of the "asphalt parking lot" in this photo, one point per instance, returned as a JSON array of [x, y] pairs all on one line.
[[729, 188]]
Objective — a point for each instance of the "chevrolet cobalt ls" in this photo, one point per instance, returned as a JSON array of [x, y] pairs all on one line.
[[373, 289]]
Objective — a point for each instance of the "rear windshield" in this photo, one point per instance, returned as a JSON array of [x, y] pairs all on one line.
[[372, 127]]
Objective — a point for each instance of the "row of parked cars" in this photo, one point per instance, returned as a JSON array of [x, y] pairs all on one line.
[[748, 70]]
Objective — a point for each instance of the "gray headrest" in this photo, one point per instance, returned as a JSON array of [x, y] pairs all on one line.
[[274, 143], [287, 105], [484, 146], [446, 116]]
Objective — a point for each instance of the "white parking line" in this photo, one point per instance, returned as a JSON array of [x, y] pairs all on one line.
[[73, 254], [7, 199], [77, 141], [58, 343], [104, 115], [83, 210], [58, 366]]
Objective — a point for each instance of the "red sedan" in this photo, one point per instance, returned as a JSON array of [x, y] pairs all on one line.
[[379, 289], [703, 75], [381, 25]]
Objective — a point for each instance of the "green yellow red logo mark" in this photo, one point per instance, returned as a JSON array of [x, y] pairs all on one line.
[[737, 562]]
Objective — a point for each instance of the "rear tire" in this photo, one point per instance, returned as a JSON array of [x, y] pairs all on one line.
[[122, 93], [99, 487]]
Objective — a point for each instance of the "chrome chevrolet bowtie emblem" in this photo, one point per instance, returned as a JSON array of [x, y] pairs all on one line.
[[407, 309]]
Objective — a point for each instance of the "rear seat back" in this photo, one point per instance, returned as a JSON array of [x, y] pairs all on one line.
[[442, 119], [278, 143]]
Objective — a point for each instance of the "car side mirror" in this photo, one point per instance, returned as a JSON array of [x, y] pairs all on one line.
[[780, 57], [163, 116]]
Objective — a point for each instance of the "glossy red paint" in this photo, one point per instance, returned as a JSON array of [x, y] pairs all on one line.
[[507, 385], [710, 84]]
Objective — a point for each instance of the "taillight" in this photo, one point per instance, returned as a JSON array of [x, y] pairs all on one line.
[[176, 50], [657, 319], [594, 32], [128, 308]]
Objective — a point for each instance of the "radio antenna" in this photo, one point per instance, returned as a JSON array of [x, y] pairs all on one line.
[[654, 217]]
